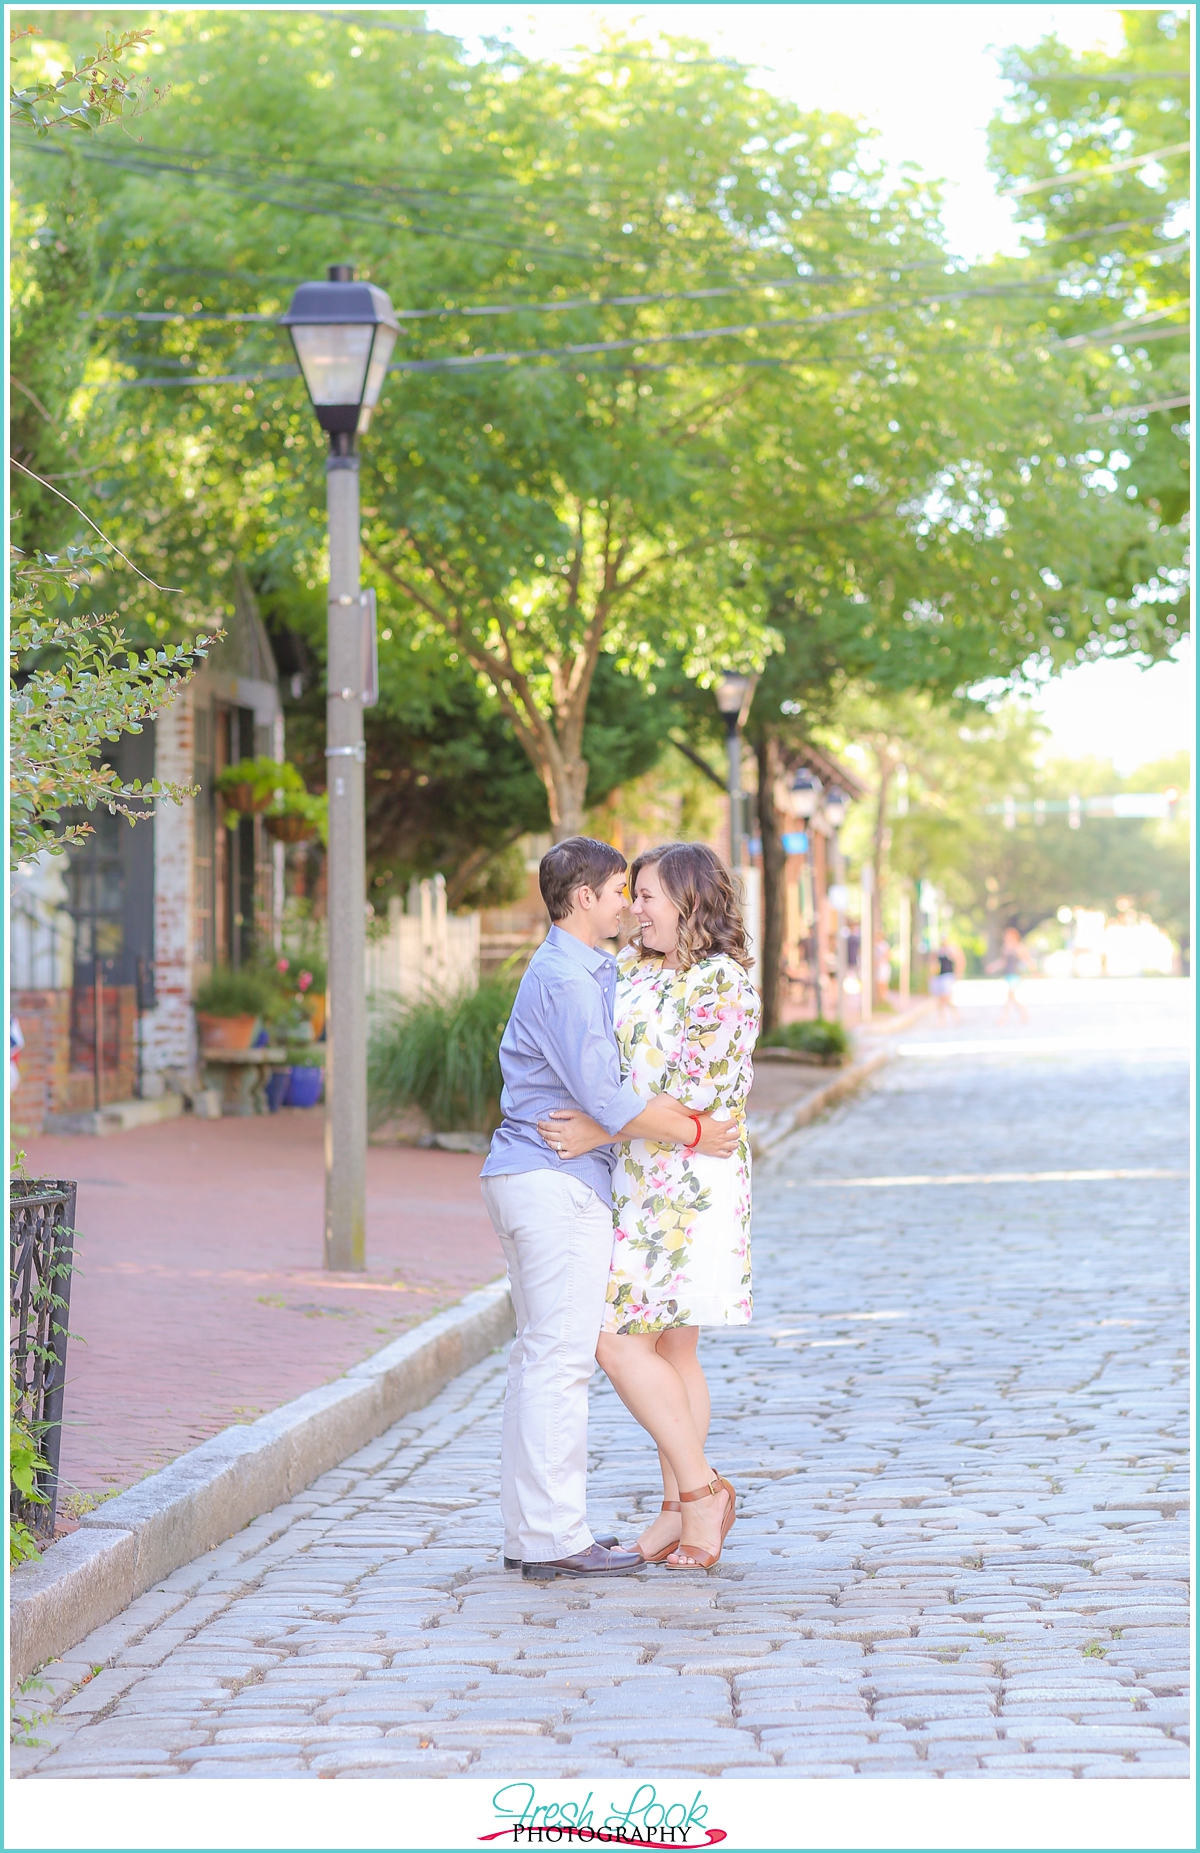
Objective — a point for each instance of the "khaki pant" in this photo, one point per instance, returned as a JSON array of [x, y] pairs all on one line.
[[557, 1237]]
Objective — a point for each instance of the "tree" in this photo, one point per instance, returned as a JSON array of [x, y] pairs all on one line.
[[1095, 150], [448, 787], [856, 431], [74, 681], [75, 684], [534, 516], [996, 873]]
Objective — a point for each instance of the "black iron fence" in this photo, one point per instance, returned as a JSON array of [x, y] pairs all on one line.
[[41, 1256]]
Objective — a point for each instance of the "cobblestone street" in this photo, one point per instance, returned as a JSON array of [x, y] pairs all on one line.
[[958, 1428]]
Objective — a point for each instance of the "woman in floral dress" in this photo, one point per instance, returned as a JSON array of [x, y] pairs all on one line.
[[687, 1018]]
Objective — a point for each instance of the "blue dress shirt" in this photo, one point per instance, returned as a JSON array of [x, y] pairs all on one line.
[[560, 1050]]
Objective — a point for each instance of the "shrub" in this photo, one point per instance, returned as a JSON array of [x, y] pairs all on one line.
[[443, 1057], [816, 1037], [242, 993]]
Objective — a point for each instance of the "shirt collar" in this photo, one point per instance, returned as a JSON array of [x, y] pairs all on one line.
[[591, 957]]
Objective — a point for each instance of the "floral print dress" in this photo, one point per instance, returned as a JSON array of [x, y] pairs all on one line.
[[681, 1246]]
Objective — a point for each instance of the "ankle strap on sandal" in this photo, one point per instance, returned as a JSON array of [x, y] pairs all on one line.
[[670, 1505], [703, 1492]]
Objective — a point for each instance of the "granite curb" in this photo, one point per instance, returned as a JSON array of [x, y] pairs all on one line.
[[767, 1130], [134, 1540]]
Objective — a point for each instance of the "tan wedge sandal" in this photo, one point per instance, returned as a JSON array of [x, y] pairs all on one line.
[[668, 1505], [698, 1559]]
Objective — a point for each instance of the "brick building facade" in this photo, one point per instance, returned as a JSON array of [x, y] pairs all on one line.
[[147, 912]]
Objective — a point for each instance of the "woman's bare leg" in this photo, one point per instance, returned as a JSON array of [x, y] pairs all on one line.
[[656, 1395], [678, 1344]]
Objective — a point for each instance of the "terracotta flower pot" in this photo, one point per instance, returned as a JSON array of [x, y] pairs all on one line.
[[291, 827], [226, 1032]]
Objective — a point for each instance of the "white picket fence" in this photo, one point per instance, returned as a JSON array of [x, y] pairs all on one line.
[[425, 952]]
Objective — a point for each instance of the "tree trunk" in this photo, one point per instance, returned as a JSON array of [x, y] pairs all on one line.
[[566, 790], [880, 847], [770, 768]]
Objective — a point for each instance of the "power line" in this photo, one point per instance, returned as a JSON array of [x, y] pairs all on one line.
[[1025, 187], [459, 362], [221, 180], [1099, 77], [1137, 411], [749, 287]]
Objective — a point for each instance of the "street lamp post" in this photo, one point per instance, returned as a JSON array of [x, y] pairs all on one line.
[[343, 333], [803, 799], [835, 807], [734, 695]]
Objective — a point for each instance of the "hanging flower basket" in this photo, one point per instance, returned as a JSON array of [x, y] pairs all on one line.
[[290, 827], [251, 785], [245, 800]]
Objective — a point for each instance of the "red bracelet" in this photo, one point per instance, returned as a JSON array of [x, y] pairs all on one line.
[[695, 1119]]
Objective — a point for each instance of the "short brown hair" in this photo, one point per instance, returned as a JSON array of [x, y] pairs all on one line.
[[577, 862], [697, 882]]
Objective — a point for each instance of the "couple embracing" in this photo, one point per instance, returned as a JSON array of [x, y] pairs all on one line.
[[619, 1185]]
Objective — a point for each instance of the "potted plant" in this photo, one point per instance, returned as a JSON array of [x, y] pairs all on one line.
[[308, 1078], [297, 817], [250, 786], [229, 1006], [305, 980]]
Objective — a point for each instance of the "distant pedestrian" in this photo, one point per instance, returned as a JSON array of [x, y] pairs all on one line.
[[1011, 965], [946, 968]]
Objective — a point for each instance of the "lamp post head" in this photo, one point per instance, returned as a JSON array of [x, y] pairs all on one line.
[[734, 693], [343, 333], [805, 793], [836, 806]]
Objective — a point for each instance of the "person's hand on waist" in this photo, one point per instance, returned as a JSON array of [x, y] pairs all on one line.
[[570, 1133]]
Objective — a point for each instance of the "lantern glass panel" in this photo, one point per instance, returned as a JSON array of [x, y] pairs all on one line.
[[731, 692], [333, 358], [381, 353]]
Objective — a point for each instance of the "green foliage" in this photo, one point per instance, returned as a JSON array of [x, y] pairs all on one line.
[[816, 1037], [264, 776], [74, 684], [25, 1463], [1100, 169], [109, 94], [245, 992], [443, 1057]]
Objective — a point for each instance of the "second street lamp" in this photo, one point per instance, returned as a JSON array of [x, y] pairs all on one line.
[[343, 333], [734, 694], [835, 806]]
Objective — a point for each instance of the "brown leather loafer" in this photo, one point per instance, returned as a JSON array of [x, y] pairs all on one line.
[[610, 1543], [595, 1561]]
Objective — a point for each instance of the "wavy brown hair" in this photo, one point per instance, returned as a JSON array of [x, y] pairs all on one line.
[[697, 882]]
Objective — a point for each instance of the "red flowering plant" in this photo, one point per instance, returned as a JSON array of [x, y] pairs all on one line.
[[302, 982]]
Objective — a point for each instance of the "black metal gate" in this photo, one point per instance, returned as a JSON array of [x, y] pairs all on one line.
[[41, 1256]]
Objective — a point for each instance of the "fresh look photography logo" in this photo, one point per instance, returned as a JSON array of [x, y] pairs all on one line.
[[646, 1820]]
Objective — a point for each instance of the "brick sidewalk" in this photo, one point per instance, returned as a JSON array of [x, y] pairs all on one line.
[[200, 1299]]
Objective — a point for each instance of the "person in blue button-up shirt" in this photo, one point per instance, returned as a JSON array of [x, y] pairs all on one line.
[[554, 1216]]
